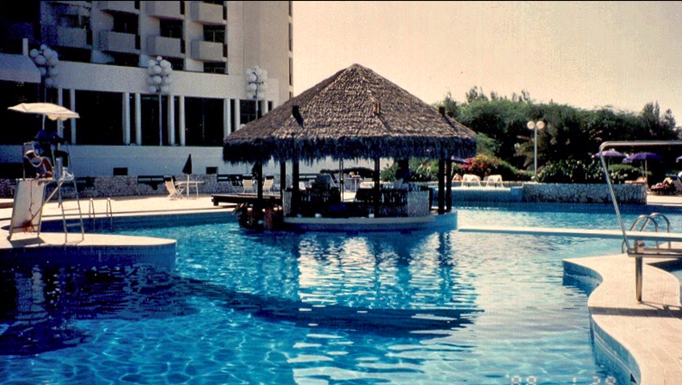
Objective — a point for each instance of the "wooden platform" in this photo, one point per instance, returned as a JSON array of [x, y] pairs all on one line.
[[244, 198]]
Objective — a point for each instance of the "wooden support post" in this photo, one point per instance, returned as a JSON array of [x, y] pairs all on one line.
[[282, 177], [441, 185], [295, 192], [377, 187], [448, 185]]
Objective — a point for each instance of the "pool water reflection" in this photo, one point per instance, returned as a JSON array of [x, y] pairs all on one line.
[[282, 308]]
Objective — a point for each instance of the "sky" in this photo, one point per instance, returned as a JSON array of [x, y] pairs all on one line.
[[584, 54]]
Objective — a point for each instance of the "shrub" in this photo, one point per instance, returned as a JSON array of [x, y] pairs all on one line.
[[576, 171]]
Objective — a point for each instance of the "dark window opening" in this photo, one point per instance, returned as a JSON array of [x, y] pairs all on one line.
[[291, 38], [150, 120], [204, 119], [182, 7], [211, 170], [171, 28], [247, 111], [101, 118], [120, 171], [126, 23], [233, 117], [18, 127], [291, 71], [214, 67], [74, 54], [125, 59], [214, 33], [177, 64]]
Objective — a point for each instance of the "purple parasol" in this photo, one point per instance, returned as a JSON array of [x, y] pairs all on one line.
[[609, 154], [460, 160]]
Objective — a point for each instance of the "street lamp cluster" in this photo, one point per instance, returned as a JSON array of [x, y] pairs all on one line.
[[159, 79], [256, 84], [46, 60], [539, 125]]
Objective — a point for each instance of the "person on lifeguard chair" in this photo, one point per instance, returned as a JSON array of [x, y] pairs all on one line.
[[42, 165]]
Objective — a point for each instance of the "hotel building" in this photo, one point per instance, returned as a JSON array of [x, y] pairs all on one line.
[[104, 49]]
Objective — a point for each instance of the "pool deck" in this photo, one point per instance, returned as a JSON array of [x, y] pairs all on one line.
[[650, 331]]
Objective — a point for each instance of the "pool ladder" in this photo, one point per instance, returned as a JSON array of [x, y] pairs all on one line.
[[644, 220], [108, 212]]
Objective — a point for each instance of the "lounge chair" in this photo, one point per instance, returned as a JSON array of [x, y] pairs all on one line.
[[173, 192], [494, 180], [247, 184], [267, 184], [471, 179]]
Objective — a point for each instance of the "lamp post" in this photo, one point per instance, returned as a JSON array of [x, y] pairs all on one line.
[[539, 125], [159, 79], [46, 60], [255, 84]]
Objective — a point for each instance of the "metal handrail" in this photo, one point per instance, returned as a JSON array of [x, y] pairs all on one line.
[[608, 179]]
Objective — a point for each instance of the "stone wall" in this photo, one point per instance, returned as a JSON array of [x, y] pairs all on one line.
[[583, 193]]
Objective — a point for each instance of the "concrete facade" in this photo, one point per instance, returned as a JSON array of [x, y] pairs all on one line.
[[255, 33]]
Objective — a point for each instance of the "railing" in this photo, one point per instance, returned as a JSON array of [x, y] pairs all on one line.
[[651, 218], [108, 212], [614, 199]]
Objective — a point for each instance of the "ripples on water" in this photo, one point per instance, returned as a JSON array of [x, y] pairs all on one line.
[[281, 308]]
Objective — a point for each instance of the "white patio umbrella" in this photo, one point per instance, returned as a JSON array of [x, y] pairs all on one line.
[[49, 110]]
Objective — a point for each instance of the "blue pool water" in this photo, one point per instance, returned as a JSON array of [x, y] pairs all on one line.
[[437, 307]]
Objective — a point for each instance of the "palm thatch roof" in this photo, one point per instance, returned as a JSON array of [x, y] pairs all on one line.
[[354, 114]]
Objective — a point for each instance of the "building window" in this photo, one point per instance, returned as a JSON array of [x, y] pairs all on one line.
[[247, 111], [125, 59], [291, 39], [210, 170], [204, 119], [214, 33], [120, 171], [101, 118], [291, 8], [291, 71], [176, 63], [214, 67], [126, 23], [171, 28]]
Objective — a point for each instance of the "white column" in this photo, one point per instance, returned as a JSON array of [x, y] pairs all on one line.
[[171, 120], [265, 107], [60, 101], [72, 98], [226, 117], [126, 118], [237, 115], [138, 119], [181, 119]]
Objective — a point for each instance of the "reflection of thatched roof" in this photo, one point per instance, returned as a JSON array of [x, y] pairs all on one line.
[[354, 114]]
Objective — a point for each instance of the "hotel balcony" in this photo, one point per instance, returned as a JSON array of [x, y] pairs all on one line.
[[208, 51], [111, 41], [209, 14], [118, 6], [165, 46], [165, 9], [67, 37]]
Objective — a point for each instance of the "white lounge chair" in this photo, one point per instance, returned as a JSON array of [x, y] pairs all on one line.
[[471, 179], [494, 180], [247, 184], [173, 192], [267, 184]]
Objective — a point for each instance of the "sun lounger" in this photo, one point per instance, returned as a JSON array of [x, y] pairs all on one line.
[[494, 181], [471, 179]]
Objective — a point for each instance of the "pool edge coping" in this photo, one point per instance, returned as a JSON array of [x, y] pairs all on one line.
[[629, 328]]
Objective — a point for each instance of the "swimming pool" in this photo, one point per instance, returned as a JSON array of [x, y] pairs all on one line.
[[282, 308]]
